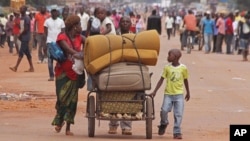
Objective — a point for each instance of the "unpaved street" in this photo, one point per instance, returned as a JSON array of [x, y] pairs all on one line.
[[219, 86]]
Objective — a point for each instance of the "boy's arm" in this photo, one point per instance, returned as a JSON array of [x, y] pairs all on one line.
[[35, 24], [218, 23], [108, 26], [157, 87], [187, 97], [202, 28], [46, 32], [238, 28], [88, 27], [213, 27]]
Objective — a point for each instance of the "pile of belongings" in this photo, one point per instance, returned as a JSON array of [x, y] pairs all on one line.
[[120, 62]]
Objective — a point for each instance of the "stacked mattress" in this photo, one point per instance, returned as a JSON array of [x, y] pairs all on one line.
[[119, 63], [101, 51]]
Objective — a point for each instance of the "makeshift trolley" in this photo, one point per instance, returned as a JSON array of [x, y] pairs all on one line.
[[118, 68], [120, 105]]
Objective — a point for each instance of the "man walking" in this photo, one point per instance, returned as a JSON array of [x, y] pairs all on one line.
[[220, 24], [24, 37], [154, 22], [40, 36], [84, 17], [52, 27]]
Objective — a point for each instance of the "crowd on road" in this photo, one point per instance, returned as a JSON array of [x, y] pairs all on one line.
[[212, 28], [217, 28], [25, 31]]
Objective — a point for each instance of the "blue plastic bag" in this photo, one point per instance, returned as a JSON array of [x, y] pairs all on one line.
[[56, 53]]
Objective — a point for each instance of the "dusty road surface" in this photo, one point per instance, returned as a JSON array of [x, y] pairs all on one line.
[[219, 86]]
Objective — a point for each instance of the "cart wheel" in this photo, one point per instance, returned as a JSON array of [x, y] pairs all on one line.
[[91, 116], [149, 112]]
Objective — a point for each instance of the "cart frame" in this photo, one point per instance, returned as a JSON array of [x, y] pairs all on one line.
[[94, 109]]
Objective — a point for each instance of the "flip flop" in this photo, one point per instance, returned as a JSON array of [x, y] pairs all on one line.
[[58, 128], [13, 69], [30, 70]]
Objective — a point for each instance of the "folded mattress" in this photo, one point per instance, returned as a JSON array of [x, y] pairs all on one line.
[[99, 46], [123, 76], [146, 57]]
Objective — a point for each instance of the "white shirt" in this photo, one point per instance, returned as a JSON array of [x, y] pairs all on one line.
[[103, 26], [169, 22], [140, 23], [235, 27], [178, 20], [3, 21], [84, 18], [54, 28]]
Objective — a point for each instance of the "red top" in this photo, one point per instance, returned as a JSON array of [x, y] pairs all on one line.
[[16, 26], [229, 26], [133, 24], [190, 22], [66, 66], [40, 19]]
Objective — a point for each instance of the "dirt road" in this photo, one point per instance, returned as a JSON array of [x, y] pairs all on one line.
[[219, 86]]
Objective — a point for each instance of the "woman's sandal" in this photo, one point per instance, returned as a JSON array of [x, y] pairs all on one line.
[[58, 128], [68, 133]]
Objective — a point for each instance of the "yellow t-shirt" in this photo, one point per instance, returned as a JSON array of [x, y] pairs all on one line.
[[238, 18], [174, 78]]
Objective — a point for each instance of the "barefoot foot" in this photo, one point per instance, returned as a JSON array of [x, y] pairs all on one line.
[[13, 69], [58, 128], [30, 70], [68, 133]]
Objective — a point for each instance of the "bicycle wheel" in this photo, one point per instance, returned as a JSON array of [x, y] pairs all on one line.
[[189, 44]]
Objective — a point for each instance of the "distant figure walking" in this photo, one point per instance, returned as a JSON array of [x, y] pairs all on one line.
[[24, 37], [154, 22]]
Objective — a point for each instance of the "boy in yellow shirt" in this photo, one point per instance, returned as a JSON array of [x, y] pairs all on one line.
[[176, 75]]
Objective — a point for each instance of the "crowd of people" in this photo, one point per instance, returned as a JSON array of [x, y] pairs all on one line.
[[27, 31], [231, 28]]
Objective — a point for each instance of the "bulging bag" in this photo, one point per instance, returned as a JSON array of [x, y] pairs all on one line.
[[246, 28], [56, 53], [95, 25], [78, 66]]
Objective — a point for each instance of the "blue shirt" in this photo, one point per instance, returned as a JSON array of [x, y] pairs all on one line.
[[215, 29], [208, 25]]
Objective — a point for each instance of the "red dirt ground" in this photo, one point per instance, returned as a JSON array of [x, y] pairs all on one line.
[[219, 86]]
